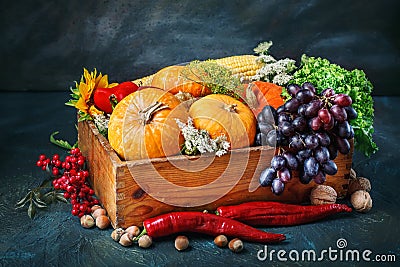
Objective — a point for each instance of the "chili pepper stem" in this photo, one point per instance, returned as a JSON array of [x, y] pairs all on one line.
[[144, 232]]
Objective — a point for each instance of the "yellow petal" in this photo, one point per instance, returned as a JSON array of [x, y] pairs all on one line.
[[81, 105], [102, 82]]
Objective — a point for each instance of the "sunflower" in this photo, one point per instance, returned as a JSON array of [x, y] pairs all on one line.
[[81, 95]]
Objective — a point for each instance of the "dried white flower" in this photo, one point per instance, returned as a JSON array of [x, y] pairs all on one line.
[[199, 141], [101, 121]]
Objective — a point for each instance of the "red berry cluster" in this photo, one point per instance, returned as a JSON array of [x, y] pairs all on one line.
[[70, 176]]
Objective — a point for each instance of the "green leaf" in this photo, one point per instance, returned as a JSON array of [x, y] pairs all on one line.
[[24, 200], [39, 203], [60, 143], [31, 210], [60, 197]]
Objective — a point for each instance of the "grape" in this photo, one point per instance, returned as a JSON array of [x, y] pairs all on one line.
[[304, 178], [351, 113], [292, 89], [342, 145], [309, 86], [302, 110], [258, 139], [323, 138], [320, 178], [270, 139], [305, 96], [321, 154], [291, 161], [324, 115], [338, 113], [351, 133], [328, 92], [292, 105], [283, 117], [311, 141], [315, 123], [343, 129], [267, 176], [302, 155], [278, 162], [280, 109], [277, 186], [281, 139], [284, 175], [333, 152], [299, 124], [311, 166], [330, 125], [265, 128], [330, 167], [342, 100], [287, 128], [296, 142], [313, 108], [267, 115]]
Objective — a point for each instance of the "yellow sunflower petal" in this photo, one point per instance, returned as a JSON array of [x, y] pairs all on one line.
[[102, 82], [81, 105]]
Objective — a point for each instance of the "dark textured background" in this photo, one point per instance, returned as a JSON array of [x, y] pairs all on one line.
[[45, 44]]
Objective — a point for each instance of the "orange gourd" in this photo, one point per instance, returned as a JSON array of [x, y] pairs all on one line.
[[223, 115], [265, 93], [172, 80], [143, 125]]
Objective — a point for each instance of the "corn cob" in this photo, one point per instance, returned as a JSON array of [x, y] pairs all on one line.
[[245, 66]]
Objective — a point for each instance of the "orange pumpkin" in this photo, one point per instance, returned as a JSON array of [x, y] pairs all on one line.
[[223, 115], [172, 80], [143, 125], [264, 93]]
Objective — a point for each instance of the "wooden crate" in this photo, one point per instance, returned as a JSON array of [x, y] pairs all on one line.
[[132, 191]]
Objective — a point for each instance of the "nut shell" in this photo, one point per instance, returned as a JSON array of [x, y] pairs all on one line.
[[360, 183], [117, 233], [132, 231], [221, 241], [125, 240], [145, 241], [87, 221], [236, 245], [323, 194], [181, 242], [99, 211], [361, 201], [102, 222]]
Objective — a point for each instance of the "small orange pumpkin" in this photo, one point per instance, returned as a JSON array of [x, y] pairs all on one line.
[[223, 115], [264, 93], [143, 125], [172, 80]]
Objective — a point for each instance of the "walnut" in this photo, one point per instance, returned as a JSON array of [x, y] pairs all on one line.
[[361, 201], [359, 183], [323, 194]]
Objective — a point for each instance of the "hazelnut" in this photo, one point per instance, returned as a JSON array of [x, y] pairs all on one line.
[[361, 201], [359, 183], [145, 241], [132, 231], [181, 242], [87, 221], [323, 194], [102, 222], [125, 240], [99, 212], [236, 245], [221, 241], [117, 233], [95, 207]]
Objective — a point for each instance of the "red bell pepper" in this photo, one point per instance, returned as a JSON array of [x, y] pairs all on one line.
[[106, 98]]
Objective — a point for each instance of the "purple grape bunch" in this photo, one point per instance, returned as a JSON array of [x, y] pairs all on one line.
[[310, 130]]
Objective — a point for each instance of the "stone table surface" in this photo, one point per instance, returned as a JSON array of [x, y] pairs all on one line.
[[55, 238]]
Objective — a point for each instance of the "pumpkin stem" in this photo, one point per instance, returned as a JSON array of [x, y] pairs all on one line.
[[148, 112], [231, 108], [251, 97]]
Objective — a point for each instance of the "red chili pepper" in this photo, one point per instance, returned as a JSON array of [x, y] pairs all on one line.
[[205, 223], [279, 214], [103, 97]]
